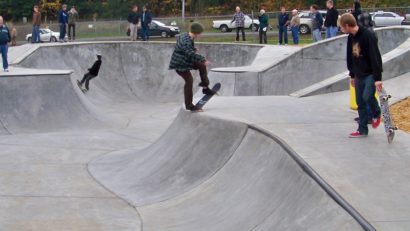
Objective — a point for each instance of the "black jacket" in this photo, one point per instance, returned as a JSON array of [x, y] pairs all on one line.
[[363, 55], [4, 35], [133, 18], [283, 19], [95, 68], [148, 19], [332, 16]]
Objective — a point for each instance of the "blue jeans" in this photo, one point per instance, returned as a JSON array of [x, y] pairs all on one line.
[[35, 36], [316, 35], [4, 48], [295, 34], [63, 31], [331, 31], [283, 33], [365, 90], [145, 33]]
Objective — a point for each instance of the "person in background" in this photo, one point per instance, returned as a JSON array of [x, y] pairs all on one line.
[[332, 16], [186, 58], [294, 26], [263, 26], [365, 66], [91, 74], [35, 36], [133, 19], [146, 20], [63, 20], [357, 9], [72, 20], [13, 37], [4, 40], [317, 23], [283, 26], [239, 19]]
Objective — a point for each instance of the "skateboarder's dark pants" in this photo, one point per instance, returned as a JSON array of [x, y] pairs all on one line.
[[87, 77], [365, 90], [189, 81]]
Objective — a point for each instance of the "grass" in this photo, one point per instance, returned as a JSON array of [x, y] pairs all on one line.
[[254, 39]]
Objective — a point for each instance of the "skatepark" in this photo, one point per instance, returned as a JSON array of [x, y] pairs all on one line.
[[270, 153]]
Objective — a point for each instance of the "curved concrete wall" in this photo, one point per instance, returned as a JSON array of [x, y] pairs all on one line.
[[229, 179], [133, 70], [310, 65]]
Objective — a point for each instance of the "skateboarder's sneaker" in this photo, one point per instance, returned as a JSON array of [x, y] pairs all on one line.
[[376, 122], [208, 91], [357, 134], [194, 108]]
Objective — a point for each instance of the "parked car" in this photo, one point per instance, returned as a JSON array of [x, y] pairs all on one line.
[[46, 35], [158, 28], [306, 22], [227, 26], [384, 18], [407, 14]]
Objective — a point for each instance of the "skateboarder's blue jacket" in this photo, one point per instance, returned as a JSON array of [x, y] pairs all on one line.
[[185, 54], [363, 55], [4, 35]]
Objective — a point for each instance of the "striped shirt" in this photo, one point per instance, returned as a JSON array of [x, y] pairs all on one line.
[[185, 55], [239, 19]]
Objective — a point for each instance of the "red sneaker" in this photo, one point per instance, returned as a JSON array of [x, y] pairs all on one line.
[[376, 122], [356, 134]]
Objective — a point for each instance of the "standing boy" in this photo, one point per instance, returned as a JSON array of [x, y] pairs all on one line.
[[294, 26], [35, 36], [63, 20], [72, 21], [317, 23], [133, 19], [146, 20], [283, 21], [332, 16], [91, 74], [4, 40], [365, 66], [185, 58], [239, 19]]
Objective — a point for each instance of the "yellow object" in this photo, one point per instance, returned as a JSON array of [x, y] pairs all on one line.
[[353, 104]]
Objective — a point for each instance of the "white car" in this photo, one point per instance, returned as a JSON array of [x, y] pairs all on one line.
[[306, 21], [46, 35], [384, 18], [227, 26]]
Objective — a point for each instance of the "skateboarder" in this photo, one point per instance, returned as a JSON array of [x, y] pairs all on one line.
[[92, 73], [365, 66], [186, 58]]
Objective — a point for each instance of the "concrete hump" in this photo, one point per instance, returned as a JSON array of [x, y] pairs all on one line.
[[192, 150], [207, 174], [42, 101]]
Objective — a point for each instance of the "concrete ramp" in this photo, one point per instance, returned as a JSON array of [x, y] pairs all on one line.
[[210, 174]]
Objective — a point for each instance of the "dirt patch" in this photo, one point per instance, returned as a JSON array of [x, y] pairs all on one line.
[[400, 113]]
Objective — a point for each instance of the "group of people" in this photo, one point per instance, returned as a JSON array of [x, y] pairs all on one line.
[[67, 20], [142, 20]]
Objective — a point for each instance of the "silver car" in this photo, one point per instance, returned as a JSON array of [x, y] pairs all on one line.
[[46, 35], [306, 22], [384, 18]]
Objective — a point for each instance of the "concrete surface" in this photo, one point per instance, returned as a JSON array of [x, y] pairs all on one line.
[[125, 156]]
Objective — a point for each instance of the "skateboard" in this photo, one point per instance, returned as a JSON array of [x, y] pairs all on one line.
[[81, 88], [201, 103], [389, 127]]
